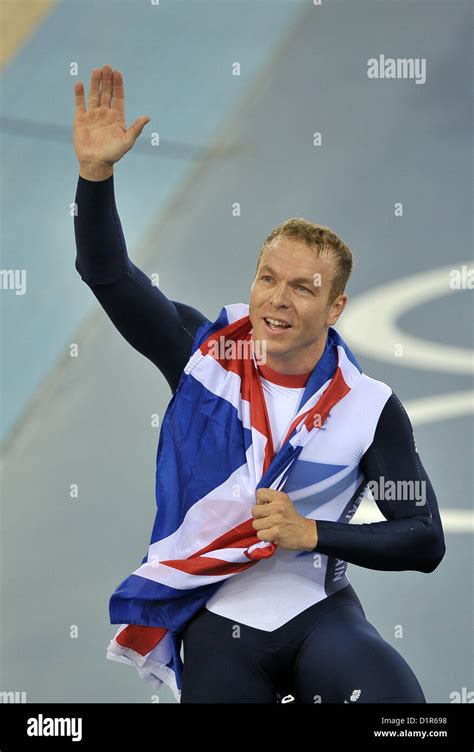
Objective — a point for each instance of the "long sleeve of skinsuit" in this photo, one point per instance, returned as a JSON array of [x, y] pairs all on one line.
[[163, 330], [411, 537]]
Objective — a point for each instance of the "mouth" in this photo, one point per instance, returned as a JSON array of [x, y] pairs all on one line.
[[276, 326]]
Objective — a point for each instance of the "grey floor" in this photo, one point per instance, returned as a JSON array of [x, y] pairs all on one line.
[[87, 420]]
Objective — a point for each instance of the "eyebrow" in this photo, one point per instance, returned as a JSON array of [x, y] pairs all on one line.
[[298, 279]]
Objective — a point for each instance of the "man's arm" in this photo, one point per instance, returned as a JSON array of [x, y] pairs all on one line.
[[162, 330], [411, 537], [159, 328]]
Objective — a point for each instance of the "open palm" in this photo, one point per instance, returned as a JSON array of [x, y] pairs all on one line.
[[100, 133]]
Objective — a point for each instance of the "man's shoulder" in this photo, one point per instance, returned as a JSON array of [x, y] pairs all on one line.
[[370, 386]]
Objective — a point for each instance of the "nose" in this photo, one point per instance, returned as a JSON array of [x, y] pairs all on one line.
[[279, 297]]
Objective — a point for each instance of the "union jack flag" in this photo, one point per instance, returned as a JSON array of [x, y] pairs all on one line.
[[215, 450]]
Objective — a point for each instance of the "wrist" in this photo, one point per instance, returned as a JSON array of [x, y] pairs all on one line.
[[95, 171], [312, 536]]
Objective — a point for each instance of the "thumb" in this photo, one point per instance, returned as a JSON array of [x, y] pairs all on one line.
[[136, 128]]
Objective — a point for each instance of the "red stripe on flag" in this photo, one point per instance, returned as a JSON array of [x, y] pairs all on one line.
[[250, 386], [240, 536], [140, 638], [336, 390], [205, 565]]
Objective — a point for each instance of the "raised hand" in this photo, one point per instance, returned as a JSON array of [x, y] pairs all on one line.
[[101, 137]]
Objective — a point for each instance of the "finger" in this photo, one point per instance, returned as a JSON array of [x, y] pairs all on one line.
[[118, 93], [79, 97], [262, 510], [262, 524], [268, 534], [94, 91], [264, 495], [106, 93], [137, 127]]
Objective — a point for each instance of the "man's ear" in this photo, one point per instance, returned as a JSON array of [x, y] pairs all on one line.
[[337, 308]]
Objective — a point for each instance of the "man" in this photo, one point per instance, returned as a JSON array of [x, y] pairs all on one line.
[[292, 622]]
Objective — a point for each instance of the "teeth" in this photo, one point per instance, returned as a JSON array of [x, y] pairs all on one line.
[[275, 322]]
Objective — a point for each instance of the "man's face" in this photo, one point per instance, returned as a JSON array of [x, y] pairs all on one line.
[[292, 285]]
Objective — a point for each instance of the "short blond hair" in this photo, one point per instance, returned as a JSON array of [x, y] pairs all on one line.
[[322, 239]]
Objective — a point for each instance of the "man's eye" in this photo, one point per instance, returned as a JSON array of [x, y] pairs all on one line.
[[266, 276], [302, 287]]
